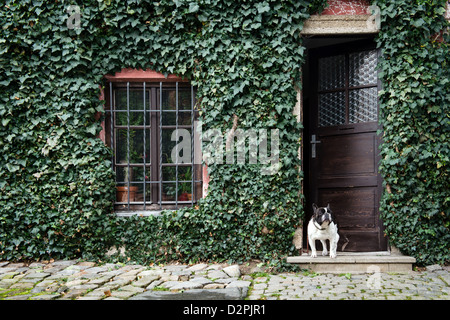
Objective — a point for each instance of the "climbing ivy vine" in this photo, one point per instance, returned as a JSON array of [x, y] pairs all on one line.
[[57, 186], [415, 116]]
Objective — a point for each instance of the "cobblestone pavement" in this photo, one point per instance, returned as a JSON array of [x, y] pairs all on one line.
[[81, 280]]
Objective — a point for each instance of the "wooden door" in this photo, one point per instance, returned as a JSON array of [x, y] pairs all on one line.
[[343, 142]]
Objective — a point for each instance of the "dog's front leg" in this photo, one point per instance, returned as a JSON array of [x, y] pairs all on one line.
[[333, 246], [324, 246], [312, 244]]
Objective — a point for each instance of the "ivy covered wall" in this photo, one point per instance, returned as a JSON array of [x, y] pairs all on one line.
[[415, 115], [55, 177], [56, 182]]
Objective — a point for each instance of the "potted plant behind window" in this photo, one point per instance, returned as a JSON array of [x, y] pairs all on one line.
[[185, 192], [185, 189], [122, 191], [136, 145]]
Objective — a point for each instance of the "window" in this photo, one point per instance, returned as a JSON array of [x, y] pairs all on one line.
[[145, 125]]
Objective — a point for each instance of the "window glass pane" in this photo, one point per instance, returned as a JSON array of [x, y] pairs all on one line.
[[332, 72], [136, 148], [184, 118], [363, 68], [169, 99], [132, 193], [136, 118], [184, 98], [131, 174], [169, 146], [169, 173], [184, 191], [168, 191], [184, 173], [136, 99], [331, 109], [168, 118], [148, 192], [121, 146], [363, 105], [139, 195]]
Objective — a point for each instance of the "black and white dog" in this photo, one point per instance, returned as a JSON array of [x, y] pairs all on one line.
[[322, 227]]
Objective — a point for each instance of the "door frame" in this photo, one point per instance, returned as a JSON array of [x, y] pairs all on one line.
[[310, 111]]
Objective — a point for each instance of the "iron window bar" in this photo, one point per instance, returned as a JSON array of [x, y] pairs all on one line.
[[128, 145], [155, 107], [144, 147], [160, 146], [176, 146]]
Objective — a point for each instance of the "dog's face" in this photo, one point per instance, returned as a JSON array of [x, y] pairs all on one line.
[[323, 215]]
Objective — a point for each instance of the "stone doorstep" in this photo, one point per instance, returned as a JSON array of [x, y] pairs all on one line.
[[357, 262]]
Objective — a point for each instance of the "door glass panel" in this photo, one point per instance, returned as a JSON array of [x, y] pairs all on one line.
[[363, 105], [331, 109], [332, 72], [363, 68], [348, 97]]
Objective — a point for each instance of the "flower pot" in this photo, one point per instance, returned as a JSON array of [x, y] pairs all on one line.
[[165, 197], [122, 194], [185, 197]]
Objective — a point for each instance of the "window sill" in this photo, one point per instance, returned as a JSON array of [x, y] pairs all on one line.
[[155, 213]]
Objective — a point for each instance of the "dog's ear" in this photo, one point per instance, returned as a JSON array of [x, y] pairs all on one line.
[[315, 207], [328, 206]]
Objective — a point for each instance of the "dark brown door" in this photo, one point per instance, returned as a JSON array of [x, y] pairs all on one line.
[[343, 142]]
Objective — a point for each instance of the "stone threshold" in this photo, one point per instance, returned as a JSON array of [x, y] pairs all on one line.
[[355, 262]]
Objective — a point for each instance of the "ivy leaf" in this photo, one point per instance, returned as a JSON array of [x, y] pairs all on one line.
[[418, 23], [263, 7], [279, 108], [92, 129], [5, 121], [12, 167], [193, 7]]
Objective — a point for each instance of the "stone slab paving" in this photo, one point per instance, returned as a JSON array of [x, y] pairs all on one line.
[[84, 280]]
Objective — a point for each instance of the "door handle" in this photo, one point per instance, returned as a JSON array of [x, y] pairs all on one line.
[[313, 145]]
